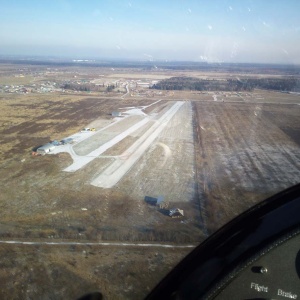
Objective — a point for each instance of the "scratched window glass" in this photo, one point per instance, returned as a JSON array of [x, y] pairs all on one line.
[[132, 131]]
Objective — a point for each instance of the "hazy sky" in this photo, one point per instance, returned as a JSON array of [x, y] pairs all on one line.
[[230, 31]]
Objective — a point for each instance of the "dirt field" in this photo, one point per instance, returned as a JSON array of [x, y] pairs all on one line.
[[246, 152], [73, 271], [220, 153]]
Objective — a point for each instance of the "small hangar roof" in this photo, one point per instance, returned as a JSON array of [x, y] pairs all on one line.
[[176, 212], [47, 146]]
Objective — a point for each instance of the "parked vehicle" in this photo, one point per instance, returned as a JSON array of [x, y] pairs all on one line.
[[85, 129]]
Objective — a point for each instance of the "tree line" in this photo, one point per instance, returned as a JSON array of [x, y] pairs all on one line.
[[88, 87], [192, 83]]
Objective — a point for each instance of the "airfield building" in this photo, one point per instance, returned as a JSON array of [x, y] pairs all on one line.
[[154, 200], [150, 200], [176, 213], [45, 149]]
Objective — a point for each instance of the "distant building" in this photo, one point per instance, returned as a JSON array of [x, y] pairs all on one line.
[[116, 114], [45, 149], [176, 213], [144, 84]]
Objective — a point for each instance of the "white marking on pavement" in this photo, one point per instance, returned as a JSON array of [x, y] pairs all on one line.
[[114, 173]]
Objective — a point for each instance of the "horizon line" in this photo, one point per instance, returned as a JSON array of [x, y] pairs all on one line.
[[82, 60]]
